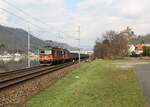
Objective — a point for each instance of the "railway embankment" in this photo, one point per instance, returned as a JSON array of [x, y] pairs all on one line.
[[99, 83], [17, 94]]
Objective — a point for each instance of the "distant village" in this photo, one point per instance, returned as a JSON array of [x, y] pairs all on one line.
[[138, 49], [6, 56], [135, 48], [122, 44]]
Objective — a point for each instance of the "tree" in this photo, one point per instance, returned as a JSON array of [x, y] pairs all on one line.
[[146, 51], [101, 50], [2, 47], [106, 42], [113, 45], [119, 45]]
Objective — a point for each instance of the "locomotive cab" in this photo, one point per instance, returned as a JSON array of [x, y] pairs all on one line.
[[45, 56]]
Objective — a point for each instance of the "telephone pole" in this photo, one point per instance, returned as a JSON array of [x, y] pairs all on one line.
[[79, 33], [28, 47]]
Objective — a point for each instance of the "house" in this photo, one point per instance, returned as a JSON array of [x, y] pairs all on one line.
[[131, 49], [139, 49], [136, 49]]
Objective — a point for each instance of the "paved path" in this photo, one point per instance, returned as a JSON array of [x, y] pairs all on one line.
[[143, 74]]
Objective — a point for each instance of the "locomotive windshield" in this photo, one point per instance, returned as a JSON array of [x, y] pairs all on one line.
[[45, 51], [48, 51]]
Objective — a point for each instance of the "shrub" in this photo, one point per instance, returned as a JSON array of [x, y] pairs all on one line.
[[146, 51]]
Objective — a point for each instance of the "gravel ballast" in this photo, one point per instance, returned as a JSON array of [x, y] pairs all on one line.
[[16, 96]]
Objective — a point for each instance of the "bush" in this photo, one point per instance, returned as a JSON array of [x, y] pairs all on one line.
[[146, 51]]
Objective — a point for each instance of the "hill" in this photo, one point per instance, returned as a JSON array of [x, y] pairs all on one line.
[[14, 38], [60, 45], [141, 39]]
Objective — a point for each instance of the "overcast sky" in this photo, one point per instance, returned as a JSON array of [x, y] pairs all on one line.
[[62, 17]]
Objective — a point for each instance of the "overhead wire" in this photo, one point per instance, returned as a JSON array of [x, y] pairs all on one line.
[[29, 15], [25, 13], [36, 19], [20, 18], [27, 21]]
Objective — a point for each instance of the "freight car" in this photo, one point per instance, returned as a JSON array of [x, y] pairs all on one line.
[[48, 56], [75, 56]]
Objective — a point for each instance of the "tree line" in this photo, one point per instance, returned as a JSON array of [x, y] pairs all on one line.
[[112, 45]]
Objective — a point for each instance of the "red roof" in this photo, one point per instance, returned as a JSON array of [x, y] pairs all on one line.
[[139, 46]]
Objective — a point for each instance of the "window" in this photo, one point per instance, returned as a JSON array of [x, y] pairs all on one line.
[[48, 51]]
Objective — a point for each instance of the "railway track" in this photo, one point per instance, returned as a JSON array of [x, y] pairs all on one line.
[[18, 71], [14, 77]]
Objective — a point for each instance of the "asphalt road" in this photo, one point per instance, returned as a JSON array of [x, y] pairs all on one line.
[[143, 75]]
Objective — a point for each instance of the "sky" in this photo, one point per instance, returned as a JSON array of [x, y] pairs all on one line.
[[59, 19]]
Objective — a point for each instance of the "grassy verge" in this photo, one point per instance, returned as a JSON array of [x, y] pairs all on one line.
[[96, 84]]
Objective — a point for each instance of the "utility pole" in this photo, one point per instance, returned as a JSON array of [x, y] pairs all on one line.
[[61, 37], [79, 42], [28, 47]]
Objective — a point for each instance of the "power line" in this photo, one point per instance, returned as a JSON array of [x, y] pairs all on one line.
[[24, 12], [21, 10], [79, 33], [29, 48], [25, 20], [20, 18]]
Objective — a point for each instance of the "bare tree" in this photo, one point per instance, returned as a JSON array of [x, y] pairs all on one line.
[[102, 50], [119, 45], [113, 45]]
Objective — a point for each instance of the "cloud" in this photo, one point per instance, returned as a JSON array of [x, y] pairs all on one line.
[[134, 8], [94, 16], [98, 16], [53, 15]]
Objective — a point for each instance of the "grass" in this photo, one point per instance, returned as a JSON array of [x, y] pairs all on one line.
[[95, 84]]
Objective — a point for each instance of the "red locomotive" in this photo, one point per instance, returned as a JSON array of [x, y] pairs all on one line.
[[53, 55], [49, 55]]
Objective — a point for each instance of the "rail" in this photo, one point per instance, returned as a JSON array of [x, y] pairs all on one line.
[[14, 77]]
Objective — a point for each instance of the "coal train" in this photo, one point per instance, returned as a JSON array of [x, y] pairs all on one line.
[[54, 55]]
